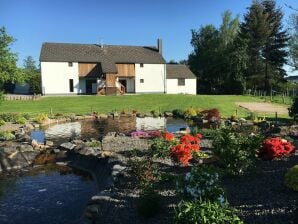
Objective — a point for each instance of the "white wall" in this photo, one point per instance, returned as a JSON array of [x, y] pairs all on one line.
[[189, 88], [55, 77], [150, 123], [154, 78]]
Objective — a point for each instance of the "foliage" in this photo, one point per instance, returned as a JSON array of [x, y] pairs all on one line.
[[146, 172], [188, 144], [9, 73], [202, 182], [293, 43], [205, 212], [236, 151], [21, 120], [11, 117], [275, 147], [1, 96], [160, 147], [40, 118], [212, 115], [190, 113], [291, 178], [293, 110], [6, 135], [149, 203], [178, 113], [266, 39], [32, 75], [2, 122]]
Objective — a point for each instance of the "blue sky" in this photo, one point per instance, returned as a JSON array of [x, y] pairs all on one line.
[[127, 22]]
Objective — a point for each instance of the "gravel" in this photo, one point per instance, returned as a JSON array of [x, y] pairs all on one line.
[[261, 196]]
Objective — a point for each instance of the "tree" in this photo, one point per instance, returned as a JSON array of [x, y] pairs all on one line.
[[267, 40], [9, 73], [212, 54], [32, 75], [293, 43]]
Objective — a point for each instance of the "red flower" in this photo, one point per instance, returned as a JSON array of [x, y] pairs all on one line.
[[168, 136], [275, 147]]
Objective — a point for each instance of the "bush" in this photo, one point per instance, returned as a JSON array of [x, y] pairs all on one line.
[[10, 117], [21, 120], [211, 115], [202, 212], [6, 135], [178, 113], [40, 118], [293, 110], [202, 182], [2, 122], [236, 151], [291, 178], [149, 203], [161, 147], [275, 147], [190, 113]]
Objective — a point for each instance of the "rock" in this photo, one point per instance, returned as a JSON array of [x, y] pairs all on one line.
[[34, 143], [91, 211], [97, 198], [62, 163], [26, 148], [56, 151], [118, 167], [168, 114], [148, 115], [49, 143], [140, 115], [89, 151], [111, 134], [28, 127], [103, 116], [242, 119], [77, 141], [68, 145], [35, 126], [61, 155], [45, 158]]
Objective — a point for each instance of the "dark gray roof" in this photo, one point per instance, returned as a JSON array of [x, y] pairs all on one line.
[[176, 71], [293, 77], [107, 55]]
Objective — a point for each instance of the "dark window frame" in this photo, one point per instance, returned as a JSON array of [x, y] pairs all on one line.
[[71, 87], [181, 82], [142, 65], [70, 64], [141, 80]]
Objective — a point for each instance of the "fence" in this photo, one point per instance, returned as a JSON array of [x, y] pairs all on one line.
[[22, 97]]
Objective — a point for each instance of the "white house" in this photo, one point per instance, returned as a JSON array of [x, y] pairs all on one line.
[[103, 69], [180, 80]]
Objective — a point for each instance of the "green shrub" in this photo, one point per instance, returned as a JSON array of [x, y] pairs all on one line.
[[291, 178], [202, 182], [10, 117], [201, 212], [293, 110], [178, 113], [149, 203], [6, 135], [21, 120], [26, 116], [161, 148], [40, 118], [93, 144], [2, 122], [236, 151], [155, 113]]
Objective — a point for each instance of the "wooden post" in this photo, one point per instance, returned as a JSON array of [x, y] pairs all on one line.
[[275, 118]]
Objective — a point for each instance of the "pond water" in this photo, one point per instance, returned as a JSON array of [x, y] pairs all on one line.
[[98, 128], [45, 195]]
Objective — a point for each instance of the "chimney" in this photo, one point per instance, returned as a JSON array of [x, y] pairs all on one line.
[[159, 45]]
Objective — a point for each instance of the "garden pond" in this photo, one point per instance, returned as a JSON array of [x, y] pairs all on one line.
[[47, 194]]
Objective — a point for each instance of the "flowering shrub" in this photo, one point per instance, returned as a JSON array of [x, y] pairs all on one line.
[[235, 151], [275, 147], [188, 144], [168, 136], [211, 115], [145, 134], [202, 182], [190, 113]]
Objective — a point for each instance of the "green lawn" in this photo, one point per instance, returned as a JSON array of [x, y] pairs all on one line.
[[142, 103]]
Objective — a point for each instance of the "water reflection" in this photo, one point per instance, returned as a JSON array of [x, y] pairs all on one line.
[[40, 195]]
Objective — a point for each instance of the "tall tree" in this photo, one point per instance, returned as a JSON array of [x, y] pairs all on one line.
[[32, 75], [293, 43], [9, 73], [267, 40]]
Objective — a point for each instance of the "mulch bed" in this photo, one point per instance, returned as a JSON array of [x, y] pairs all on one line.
[[261, 196]]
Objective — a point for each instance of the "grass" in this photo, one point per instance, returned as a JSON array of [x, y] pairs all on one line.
[[141, 103]]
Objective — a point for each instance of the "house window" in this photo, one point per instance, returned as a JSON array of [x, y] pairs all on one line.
[[71, 85], [141, 65], [69, 64], [181, 82], [141, 80]]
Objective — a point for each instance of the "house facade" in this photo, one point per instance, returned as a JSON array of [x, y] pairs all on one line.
[[68, 69]]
